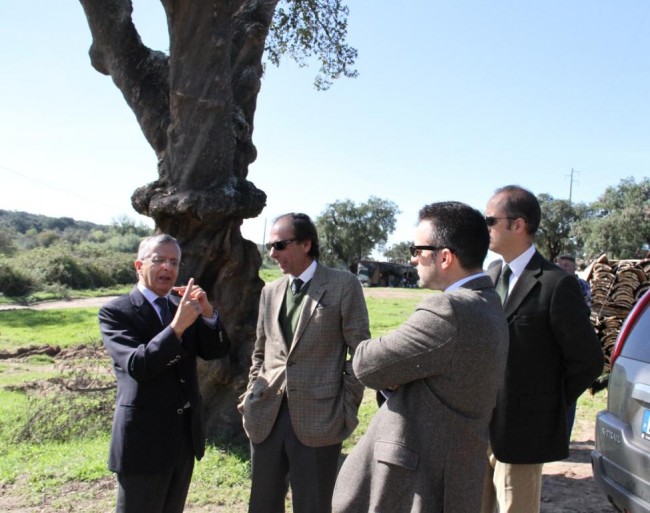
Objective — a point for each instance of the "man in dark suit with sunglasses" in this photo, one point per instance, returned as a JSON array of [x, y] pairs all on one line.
[[302, 397], [154, 338], [554, 356]]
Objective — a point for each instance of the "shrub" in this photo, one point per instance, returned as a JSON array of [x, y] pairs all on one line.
[[127, 243], [86, 266], [13, 283], [78, 404], [65, 269], [66, 415]]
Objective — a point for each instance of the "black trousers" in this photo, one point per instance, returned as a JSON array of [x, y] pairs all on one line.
[[281, 460], [164, 492]]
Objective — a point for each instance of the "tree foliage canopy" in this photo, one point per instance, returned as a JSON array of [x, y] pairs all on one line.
[[399, 253], [349, 232], [554, 235], [618, 223], [306, 28]]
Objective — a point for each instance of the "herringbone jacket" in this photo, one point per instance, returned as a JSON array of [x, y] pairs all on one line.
[[313, 369]]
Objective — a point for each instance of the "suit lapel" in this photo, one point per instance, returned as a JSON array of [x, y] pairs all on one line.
[[145, 312], [276, 301], [525, 283], [315, 293]]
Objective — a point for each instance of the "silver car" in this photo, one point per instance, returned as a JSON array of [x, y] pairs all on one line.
[[621, 458]]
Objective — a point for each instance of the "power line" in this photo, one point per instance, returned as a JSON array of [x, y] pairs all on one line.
[[56, 188]]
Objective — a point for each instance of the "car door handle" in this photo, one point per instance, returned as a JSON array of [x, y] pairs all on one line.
[[641, 392]]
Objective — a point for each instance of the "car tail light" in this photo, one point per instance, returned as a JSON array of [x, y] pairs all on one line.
[[631, 319]]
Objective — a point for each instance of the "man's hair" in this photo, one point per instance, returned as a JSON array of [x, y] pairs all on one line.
[[303, 229], [148, 243], [461, 228], [522, 203]]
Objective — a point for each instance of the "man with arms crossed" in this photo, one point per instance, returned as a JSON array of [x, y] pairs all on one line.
[[554, 356], [424, 451], [153, 339], [302, 397]]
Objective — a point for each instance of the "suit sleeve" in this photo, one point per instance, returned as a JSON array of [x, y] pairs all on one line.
[[210, 342], [419, 348], [354, 315], [144, 354], [132, 346], [260, 344], [582, 354], [355, 327]]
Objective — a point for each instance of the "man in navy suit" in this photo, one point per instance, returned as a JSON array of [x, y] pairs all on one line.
[[153, 338]]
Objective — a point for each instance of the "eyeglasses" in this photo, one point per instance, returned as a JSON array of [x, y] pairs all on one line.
[[279, 245], [491, 221], [416, 250], [171, 262]]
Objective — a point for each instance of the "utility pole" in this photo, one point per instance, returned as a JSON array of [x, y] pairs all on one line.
[[264, 235], [571, 186]]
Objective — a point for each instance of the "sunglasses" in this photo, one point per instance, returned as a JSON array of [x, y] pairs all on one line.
[[491, 221], [416, 250], [279, 245]]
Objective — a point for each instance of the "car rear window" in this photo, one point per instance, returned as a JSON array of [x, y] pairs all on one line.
[[637, 345]]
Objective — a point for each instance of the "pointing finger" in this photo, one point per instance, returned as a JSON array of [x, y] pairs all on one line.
[[188, 290]]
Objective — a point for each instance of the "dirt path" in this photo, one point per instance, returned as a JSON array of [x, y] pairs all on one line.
[[61, 303], [568, 485]]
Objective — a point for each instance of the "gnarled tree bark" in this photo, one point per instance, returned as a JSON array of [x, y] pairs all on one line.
[[196, 110]]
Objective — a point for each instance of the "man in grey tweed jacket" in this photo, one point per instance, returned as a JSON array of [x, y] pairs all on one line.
[[302, 398], [424, 450]]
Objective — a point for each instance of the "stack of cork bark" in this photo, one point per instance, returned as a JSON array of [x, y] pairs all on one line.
[[616, 286]]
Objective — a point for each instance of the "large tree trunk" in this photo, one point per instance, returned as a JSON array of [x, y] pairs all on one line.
[[196, 110]]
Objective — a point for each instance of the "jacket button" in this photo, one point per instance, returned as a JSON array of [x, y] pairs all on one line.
[[180, 411], [182, 380]]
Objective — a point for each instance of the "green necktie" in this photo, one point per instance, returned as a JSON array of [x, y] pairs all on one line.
[[296, 285], [503, 282]]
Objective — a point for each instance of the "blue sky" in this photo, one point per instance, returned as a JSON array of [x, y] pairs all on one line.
[[453, 99]]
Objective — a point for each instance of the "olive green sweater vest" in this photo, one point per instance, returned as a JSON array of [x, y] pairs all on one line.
[[290, 312]]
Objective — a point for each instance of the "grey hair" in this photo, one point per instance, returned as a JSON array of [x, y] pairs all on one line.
[[148, 243]]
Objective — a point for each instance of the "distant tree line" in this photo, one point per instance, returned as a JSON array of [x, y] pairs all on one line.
[[617, 223], [39, 253], [46, 254]]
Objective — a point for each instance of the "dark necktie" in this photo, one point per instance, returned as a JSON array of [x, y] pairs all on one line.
[[503, 282], [296, 285], [165, 313]]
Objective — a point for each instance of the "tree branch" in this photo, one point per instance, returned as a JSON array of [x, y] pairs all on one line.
[[140, 73]]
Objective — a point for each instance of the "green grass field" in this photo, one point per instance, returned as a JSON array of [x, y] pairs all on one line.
[[44, 468]]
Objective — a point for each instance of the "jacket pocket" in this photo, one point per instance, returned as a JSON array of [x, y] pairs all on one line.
[[396, 454], [326, 391]]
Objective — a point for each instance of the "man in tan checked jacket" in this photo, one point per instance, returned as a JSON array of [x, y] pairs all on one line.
[[302, 397]]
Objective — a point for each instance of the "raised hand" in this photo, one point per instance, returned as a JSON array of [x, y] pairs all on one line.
[[198, 294], [191, 306]]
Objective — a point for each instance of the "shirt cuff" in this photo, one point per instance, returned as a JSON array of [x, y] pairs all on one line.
[[211, 322]]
